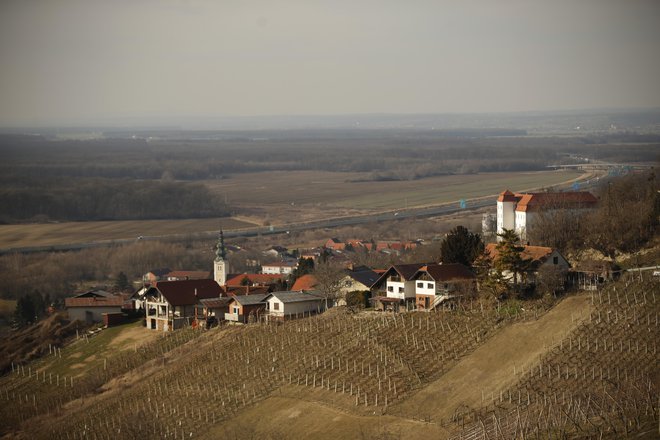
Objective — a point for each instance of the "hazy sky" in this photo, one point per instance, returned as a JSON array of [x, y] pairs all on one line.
[[95, 61]]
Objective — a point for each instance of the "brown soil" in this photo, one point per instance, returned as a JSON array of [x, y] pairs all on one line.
[[490, 368]]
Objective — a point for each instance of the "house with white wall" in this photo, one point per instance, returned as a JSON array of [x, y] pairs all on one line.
[[517, 211], [90, 306], [279, 268], [436, 283], [539, 258], [293, 304], [396, 286], [170, 305]]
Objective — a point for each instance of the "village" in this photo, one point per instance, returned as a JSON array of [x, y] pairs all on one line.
[[290, 288]]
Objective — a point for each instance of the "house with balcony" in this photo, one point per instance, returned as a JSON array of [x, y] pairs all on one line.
[[293, 304], [436, 283], [246, 308], [396, 287], [171, 305]]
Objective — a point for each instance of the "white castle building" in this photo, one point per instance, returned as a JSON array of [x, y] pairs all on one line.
[[517, 211]]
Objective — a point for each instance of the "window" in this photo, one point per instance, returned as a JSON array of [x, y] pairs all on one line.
[[276, 306], [390, 288], [555, 260], [420, 285], [400, 289], [429, 285], [236, 310]]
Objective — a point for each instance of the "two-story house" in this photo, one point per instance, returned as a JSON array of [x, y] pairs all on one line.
[[435, 283], [172, 304], [396, 287], [246, 308]]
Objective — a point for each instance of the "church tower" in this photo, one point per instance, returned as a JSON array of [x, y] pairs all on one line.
[[219, 264]]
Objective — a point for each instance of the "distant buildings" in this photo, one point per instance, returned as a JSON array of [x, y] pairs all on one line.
[[518, 211]]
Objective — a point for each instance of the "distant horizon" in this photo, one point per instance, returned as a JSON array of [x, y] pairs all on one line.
[[170, 122]]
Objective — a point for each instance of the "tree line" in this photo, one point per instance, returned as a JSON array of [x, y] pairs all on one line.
[[106, 199]]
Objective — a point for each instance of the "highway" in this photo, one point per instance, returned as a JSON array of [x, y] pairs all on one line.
[[420, 212]]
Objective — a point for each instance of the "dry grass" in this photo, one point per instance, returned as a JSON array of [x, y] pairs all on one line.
[[85, 232], [340, 190]]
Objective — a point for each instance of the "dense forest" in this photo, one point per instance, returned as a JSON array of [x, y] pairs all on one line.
[[147, 177]]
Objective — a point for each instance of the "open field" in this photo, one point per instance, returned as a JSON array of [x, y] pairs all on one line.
[[370, 375], [48, 234], [342, 190]]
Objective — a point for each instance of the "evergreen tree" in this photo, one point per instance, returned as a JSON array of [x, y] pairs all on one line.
[[509, 256], [305, 266], [121, 282], [25, 312], [461, 246]]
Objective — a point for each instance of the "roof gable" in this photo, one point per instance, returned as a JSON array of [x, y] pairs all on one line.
[[293, 296], [367, 277], [305, 282], [188, 292], [446, 272], [569, 200], [405, 271], [537, 254], [249, 300]]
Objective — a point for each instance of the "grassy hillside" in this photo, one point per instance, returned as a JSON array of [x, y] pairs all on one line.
[[369, 375]]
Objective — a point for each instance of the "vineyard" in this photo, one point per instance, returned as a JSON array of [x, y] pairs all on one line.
[[601, 381], [601, 378]]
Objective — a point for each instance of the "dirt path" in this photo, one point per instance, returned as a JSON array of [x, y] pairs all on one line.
[[489, 369]]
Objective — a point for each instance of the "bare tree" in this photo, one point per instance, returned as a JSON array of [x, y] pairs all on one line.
[[329, 276]]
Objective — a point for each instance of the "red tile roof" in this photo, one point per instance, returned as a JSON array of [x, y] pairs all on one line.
[[507, 196], [255, 278], [574, 199], [188, 292], [534, 253], [109, 301], [245, 290], [305, 282]]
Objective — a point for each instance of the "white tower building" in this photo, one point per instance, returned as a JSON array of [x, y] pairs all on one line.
[[506, 211], [219, 264]]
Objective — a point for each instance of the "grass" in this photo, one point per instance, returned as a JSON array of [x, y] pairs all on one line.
[[85, 232], [311, 188]]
